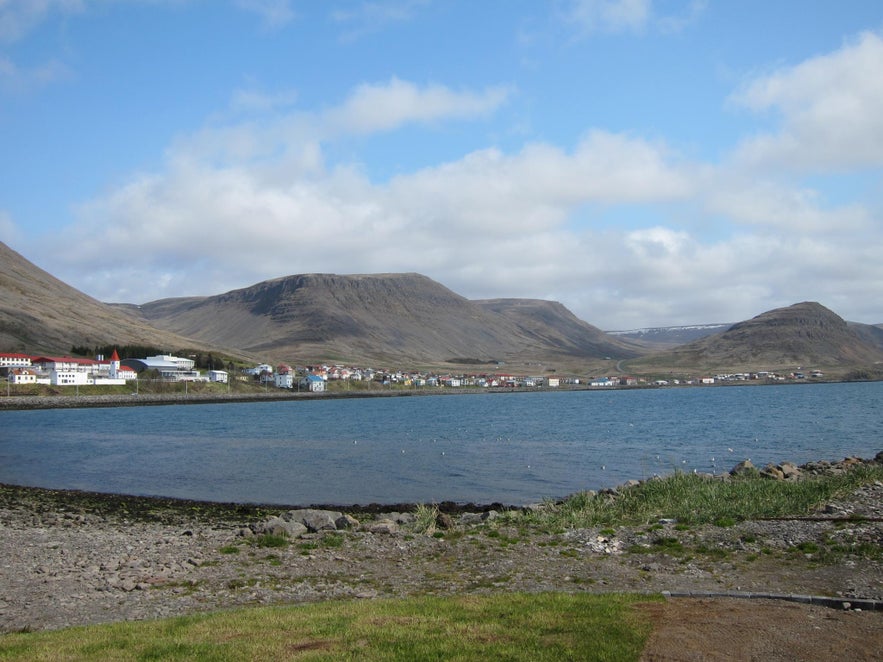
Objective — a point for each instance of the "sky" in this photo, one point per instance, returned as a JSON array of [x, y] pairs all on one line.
[[644, 162]]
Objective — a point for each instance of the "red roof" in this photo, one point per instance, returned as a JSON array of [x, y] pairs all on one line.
[[114, 356]]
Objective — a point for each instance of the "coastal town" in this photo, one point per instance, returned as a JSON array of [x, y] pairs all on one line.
[[24, 369]]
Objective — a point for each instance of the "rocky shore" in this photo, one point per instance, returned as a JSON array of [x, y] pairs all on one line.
[[72, 558]]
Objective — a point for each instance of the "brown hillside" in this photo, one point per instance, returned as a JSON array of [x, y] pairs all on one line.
[[394, 318], [40, 314], [550, 324], [805, 334]]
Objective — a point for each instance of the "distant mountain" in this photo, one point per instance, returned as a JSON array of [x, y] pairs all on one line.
[[666, 337], [805, 334], [40, 314], [550, 324], [407, 320], [870, 333], [388, 318]]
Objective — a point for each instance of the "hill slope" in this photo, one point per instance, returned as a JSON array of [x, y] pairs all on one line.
[[805, 334], [549, 324], [396, 318], [41, 314]]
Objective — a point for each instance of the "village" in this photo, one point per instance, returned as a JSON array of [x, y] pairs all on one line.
[[24, 369]]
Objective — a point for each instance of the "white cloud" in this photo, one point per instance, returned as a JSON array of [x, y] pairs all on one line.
[[256, 101], [831, 108], [14, 79], [19, 17], [609, 15], [783, 208], [274, 13], [383, 107], [369, 17], [9, 232]]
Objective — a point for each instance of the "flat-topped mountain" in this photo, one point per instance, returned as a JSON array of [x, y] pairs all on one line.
[[41, 314], [805, 334], [405, 320], [394, 318]]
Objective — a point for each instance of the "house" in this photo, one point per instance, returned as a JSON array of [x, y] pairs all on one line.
[[218, 376], [284, 379], [625, 380], [22, 376], [312, 383], [602, 381], [553, 382]]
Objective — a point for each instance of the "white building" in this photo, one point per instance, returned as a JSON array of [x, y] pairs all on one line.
[[22, 376], [218, 376], [284, 380], [312, 383], [15, 361]]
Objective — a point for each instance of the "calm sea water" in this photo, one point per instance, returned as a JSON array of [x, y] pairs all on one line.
[[512, 448]]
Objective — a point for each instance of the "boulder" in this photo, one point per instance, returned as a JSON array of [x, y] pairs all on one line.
[[790, 471], [280, 527], [772, 471], [346, 522], [314, 520], [743, 467], [383, 526]]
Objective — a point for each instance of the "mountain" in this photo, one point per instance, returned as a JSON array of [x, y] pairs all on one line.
[[806, 334], [667, 337], [40, 314], [550, 324], [392, 318]]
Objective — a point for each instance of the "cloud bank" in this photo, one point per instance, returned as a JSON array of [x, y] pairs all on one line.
[[625, 230]]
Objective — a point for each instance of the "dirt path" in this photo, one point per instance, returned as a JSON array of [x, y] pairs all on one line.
[[768, 630]]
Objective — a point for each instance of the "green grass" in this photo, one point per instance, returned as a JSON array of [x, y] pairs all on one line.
[[536, 627], [693, 499]]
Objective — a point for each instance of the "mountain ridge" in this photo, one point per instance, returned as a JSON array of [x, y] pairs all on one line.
[[405, 319], [382, 317], [802, 334]]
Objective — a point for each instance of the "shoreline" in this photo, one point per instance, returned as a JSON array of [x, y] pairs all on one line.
[[134, 504], [39, 402], [80, 558]]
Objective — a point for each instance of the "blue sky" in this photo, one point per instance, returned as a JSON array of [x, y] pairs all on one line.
[[644, 162]]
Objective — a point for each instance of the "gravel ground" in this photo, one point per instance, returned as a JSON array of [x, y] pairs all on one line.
[[70, 558]]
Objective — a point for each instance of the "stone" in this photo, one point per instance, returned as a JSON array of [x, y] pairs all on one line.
[[790, 471], [314, 520], [743, 467], [384, 526], [346, 522], [444, 521], [772, 471], [280, 527]]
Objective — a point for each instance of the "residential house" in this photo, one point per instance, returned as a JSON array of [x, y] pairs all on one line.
[[312, 383], [218, 376], [22, 376]]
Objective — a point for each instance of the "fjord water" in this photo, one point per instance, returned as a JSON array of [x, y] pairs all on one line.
[[512, 448]]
